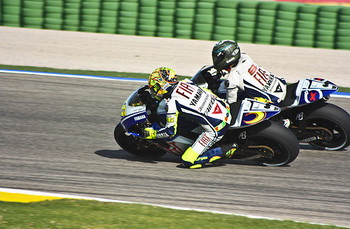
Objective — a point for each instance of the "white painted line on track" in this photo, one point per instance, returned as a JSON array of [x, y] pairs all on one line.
[[335, 95], [341, 95], [40, 193], [70, 75]]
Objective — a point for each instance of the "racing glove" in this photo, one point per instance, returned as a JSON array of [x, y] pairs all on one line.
[[149, 133]]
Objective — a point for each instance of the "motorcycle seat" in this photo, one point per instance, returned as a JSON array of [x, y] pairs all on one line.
[[290, 96], [234, 110]]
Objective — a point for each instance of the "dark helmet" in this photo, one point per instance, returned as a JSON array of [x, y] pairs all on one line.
[[161, 81], [225, 53]]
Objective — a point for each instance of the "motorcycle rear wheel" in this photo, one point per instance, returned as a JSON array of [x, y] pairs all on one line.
[[281, 140], [336, 120], [135, 145]]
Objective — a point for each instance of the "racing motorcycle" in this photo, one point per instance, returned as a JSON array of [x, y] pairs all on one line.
[[312, 120], [257, 138]]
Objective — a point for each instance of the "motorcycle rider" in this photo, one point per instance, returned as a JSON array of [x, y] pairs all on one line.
[[196, 104], [241, 73]]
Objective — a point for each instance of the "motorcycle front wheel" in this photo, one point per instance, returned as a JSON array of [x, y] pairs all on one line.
[[336, 121], [136, 145], [281, 140]]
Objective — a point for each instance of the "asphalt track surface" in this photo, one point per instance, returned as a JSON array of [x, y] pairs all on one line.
[[56, 135]]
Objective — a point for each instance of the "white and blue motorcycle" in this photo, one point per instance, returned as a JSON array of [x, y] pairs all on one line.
[[257, 138], [312, 120]]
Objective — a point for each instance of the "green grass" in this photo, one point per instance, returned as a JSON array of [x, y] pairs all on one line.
[[98, 73], [68, 213], [79, 72]]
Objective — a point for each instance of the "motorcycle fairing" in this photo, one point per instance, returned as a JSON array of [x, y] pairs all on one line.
[[132, 111], [130, 120], [252, 112], [176, 146], [311, 90]]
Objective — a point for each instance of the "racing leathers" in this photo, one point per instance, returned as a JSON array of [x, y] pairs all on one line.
[[255, 81], [202, 107]]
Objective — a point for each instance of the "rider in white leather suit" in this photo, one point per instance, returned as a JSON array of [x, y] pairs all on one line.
[[196, 104], [242, 74]]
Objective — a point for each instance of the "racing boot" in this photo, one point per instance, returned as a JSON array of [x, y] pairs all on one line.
[[210, 156], [229, 150], [190, 158], [230, 153]]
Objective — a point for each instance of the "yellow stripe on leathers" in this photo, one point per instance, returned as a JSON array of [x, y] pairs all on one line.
[[24, 198]]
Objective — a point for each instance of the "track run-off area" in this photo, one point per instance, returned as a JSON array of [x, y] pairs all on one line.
[[57, 136]]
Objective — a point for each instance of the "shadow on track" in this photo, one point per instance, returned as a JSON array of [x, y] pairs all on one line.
[[121, 154], [307, 147]]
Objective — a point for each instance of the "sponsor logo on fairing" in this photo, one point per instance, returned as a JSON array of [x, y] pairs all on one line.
[[312, 96], [137, 118], [254, 117]]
